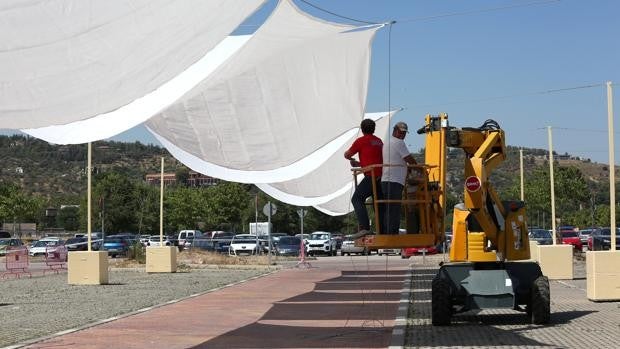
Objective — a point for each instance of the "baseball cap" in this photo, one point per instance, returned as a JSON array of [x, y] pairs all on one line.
[[401, 126]]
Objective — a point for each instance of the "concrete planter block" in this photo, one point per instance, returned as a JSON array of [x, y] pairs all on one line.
[[603, 275], [87, 268], [161, 259], [534, 250], [556, 261]]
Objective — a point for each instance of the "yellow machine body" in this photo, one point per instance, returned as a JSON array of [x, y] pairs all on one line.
[[484, 228]]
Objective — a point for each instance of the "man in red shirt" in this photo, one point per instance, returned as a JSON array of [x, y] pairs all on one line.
[[370, 150]]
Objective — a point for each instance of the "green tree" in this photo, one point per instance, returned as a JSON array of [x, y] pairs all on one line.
[[571, 194], [182, 175], [16, 206], [147, 208], [114, 202], [226, 203], [184, 208], [69, 218]]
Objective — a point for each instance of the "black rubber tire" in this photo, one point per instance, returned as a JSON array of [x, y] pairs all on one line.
[[540, 306], [441, 307]]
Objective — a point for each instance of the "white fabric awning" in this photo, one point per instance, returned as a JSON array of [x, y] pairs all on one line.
[[330, 180], [67, 60], [338, 206], [297, 86], [110, 124]]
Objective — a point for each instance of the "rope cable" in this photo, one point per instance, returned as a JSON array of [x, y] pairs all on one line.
[[453, 14], [335, 14]]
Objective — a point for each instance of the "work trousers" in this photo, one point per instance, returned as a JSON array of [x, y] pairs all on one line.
[[391, 217], [363, 191]]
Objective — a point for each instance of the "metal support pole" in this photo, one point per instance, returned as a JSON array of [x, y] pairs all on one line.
[[521, 164], [269, 234], [161, 204], [88, 197], [612, 166], [258, 249], [552, 185]]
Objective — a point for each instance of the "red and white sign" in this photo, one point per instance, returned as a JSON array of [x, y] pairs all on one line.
[[472, 184]]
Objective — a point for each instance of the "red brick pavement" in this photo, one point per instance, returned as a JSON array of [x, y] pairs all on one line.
[[338, 303]]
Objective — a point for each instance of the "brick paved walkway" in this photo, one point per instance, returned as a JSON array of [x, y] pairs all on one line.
[[336, 304]]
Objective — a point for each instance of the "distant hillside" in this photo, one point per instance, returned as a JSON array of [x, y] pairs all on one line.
[[507, 174], [59, 170]]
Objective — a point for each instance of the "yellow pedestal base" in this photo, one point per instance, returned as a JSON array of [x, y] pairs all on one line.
[[603, 275], [556, 261], [161, 259], [534, 251], [87, 268]]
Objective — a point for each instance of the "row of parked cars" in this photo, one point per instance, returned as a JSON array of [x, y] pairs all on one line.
[[588, 239]]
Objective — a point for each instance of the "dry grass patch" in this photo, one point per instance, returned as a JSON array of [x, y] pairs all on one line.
[[214, 258]]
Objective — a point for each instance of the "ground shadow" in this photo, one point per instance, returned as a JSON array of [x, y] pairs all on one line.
[[253, 336], [361, 301]]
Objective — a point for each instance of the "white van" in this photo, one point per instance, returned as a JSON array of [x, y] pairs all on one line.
[[187, 236]]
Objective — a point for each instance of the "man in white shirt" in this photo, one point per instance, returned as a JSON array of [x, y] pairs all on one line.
[[397, 156]]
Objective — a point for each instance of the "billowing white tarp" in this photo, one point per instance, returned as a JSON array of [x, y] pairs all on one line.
[[327, 186], [112, 123], [297, 86], [67, 60], [329, 181], [338, 206]]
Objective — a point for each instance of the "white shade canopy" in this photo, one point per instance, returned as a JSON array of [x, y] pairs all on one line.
[[333, 178], [67, 60], [297, 85], [110, 124]]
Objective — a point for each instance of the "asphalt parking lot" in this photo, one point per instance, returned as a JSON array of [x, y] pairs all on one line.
[[40, 308]]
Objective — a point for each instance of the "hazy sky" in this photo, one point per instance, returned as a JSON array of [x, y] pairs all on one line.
[[481, 59]]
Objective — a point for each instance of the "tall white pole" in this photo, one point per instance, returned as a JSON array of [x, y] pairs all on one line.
[[521, 165], [552, 186], [88, 197], [161, 204], [612, 166], [269, 233]]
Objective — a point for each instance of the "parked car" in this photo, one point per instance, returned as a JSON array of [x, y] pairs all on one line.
[[600, 239], [541, 236], [144, 239], [275, 237], [157, 240], [321, 242], [571, 238], [412, 251], [205, 244], [81, 244], [38, 247], [288, 246], [584, 235], [5, 243], [187, 236], [244, 244], [388, 251], [116, 246], [339, 237], [348, 247]]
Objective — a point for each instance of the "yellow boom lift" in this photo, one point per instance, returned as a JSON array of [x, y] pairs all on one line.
[[490, 264]]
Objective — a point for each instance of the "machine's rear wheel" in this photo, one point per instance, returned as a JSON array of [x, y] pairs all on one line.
[[540, 307], [441, 302]]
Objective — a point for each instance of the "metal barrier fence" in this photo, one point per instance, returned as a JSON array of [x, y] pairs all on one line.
[[55, 258], [17, 261]]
